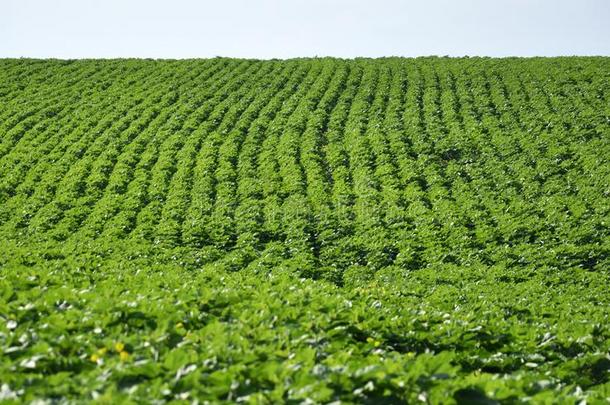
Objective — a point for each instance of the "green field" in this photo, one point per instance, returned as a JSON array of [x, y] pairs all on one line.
[[429, 230]]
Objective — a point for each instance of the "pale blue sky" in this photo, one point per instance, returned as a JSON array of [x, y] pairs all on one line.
[[283, 29]]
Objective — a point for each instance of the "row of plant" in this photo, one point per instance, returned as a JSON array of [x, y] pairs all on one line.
[[39, 184], [22, 114], [204, 157], [43, 206], [48, 130], [116, 186], [407, 156]]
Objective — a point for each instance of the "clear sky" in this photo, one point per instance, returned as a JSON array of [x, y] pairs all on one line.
[[292, 28]]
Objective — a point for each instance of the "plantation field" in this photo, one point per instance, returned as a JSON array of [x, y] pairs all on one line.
[[429, 230]]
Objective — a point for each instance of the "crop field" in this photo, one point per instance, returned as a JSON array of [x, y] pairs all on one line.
[[317, 230]]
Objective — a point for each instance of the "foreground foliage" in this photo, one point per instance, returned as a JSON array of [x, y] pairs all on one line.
[[394, 230]]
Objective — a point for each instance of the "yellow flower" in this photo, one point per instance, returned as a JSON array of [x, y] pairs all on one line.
[[377, 343], [94, 358], [119, 347], [124, 356]]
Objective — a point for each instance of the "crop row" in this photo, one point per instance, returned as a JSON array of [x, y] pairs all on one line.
[[331, 168]]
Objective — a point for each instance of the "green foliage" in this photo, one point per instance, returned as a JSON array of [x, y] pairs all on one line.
[[397, 230]]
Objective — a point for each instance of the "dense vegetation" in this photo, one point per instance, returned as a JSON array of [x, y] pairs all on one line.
[[306, 231]]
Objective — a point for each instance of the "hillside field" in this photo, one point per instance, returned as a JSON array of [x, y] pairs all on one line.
[[316, 230]]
